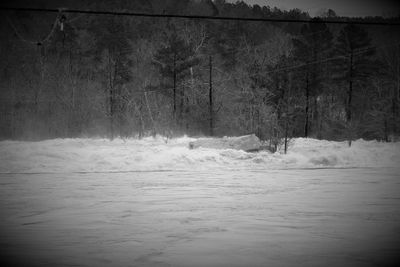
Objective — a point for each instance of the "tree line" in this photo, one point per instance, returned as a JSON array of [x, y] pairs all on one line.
[[67, 75]]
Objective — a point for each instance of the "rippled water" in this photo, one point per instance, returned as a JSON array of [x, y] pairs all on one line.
[[304, 217]]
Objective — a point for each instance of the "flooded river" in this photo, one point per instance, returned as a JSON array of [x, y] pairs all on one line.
[[298, 217]]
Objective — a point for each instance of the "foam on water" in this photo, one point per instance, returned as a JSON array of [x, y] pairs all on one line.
[[102, 155]]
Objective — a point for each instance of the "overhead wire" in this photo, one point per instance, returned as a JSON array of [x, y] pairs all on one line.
[[83, 12], [128, 50], [137, 14], [362, 51], [38, 42]]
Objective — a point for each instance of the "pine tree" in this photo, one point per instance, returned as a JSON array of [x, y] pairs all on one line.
[[174, 61], [352, 69], [114, 68], [310, 47]]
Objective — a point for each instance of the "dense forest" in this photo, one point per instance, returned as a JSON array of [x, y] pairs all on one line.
[[80, 75]]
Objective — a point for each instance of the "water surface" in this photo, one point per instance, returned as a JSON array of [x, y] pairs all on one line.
[[299, 217]]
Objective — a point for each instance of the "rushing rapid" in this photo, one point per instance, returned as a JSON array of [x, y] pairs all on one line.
[[158, 154]]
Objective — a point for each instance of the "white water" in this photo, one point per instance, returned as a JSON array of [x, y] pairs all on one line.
[[101, 155], [92, 202]]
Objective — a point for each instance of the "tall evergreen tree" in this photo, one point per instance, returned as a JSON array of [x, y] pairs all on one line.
[[311, 47], [352, 69], [174, 61], [114, 68]]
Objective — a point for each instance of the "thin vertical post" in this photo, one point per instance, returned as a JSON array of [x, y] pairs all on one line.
[[349, 101], [211, 108], [174, 86]]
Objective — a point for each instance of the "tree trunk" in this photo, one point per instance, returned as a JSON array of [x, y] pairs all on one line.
[[286, 134], [111, 98], [287, 114], [350, 90], [259, 124], [349, 101], [317, 119], [154, 131], [210, 95], [385, 130], [396, 93], [187, 112], [174, 88], [307, 107], [182, 106]]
